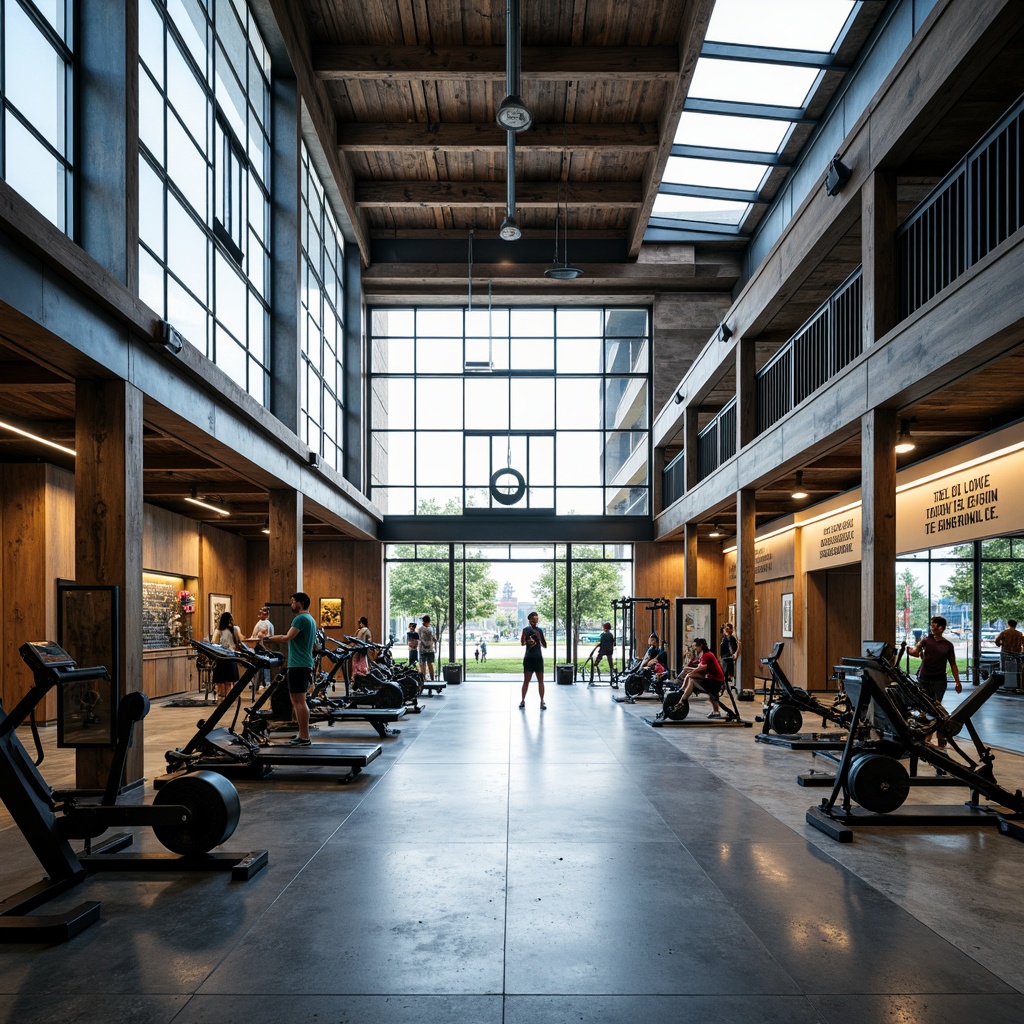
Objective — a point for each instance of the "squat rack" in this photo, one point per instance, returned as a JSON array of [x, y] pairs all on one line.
[[629, 606]]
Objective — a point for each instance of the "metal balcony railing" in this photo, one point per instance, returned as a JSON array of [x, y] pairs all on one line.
[[830, 339], [717, 441], [673, 480], [973, 209]]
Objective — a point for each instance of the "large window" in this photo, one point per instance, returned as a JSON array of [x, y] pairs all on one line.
[[461, 398], [204, 172], [977, 587], [36, 104], [322, 332]]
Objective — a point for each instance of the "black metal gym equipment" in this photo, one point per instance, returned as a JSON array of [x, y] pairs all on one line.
[[635, 682], [904, 715], [784, 708], [189, 818], [677, 712], [222, 749]]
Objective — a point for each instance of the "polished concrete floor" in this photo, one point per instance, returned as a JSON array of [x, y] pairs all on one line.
[[497, 865]]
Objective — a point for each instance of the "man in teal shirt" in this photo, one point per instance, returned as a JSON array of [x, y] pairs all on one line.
[[300, 639]]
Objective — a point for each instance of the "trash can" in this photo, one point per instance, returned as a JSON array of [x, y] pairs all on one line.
[[565, 674], [453, 672]]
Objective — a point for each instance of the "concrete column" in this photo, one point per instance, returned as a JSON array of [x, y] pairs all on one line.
[[285, 255], [107, 142], [878, 255]]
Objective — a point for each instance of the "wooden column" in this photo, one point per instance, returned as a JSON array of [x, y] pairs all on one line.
[[690, 561], [746, 630], [878, 525], [108, 537], [746, 401], [878, 255], [285, 546]]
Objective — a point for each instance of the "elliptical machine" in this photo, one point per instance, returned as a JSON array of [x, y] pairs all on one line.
[[189, 818]]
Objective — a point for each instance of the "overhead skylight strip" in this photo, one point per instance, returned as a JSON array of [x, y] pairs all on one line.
[[734, 108], [818, 25], [772, 55]]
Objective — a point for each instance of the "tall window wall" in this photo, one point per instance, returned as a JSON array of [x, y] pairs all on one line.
[[561, 396], [204, 173], [36, 101], [322, 332]]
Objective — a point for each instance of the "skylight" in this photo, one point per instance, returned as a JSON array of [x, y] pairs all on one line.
[[793, 24], [760, 67], [752, 82], [726, 132]]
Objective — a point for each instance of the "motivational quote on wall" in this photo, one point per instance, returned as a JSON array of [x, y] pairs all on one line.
[[970, 501]]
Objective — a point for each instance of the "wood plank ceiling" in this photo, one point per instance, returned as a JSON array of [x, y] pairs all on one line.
[[414, 86]]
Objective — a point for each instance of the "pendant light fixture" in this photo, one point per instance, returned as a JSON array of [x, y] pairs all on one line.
[[563, 271], [798, 492], [513, 114], [510, 230]]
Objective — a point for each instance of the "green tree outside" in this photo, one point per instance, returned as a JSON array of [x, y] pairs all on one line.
[[1002, 583], [594, 586], [918, 601]]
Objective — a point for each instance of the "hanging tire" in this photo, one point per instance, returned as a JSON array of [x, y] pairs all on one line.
[[214, 811], [635, 684], [673, 709], [388, 696], [878, 783], [785, 719]]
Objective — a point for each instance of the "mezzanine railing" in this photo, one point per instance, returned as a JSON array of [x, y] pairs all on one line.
[[830, 339], [978, 205], [717, 441]]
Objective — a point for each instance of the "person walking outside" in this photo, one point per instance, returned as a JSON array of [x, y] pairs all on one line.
[[300, 638], [426, 635], [483, 650], [412, 638], [533, 639]]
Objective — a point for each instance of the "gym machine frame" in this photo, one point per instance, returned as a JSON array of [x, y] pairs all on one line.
[[785, 705], [635, 684], [871, 774], [190, 818]]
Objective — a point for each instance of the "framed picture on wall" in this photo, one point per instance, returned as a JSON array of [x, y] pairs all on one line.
[[331, 612], [787, 615], [695, 616], [219, 604]]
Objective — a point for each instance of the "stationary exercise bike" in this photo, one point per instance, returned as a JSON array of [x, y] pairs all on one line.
[[189, 818]]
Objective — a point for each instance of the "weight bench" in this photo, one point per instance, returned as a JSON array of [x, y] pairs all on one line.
[[434, 687]]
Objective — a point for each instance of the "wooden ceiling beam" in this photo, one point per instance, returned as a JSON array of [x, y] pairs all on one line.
[[487, 63], [613, 195], [489, 138], [696, 17]]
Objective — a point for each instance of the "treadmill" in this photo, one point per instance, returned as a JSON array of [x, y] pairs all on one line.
[[220, 748]]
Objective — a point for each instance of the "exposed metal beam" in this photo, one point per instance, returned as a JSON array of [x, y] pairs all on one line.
[[771, 55], [737, 195], [733, 108], [739, 156]]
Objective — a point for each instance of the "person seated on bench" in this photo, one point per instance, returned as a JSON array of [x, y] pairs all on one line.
[[706, 676]]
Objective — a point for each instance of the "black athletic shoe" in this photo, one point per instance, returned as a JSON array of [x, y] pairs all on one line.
[[298, 741]]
